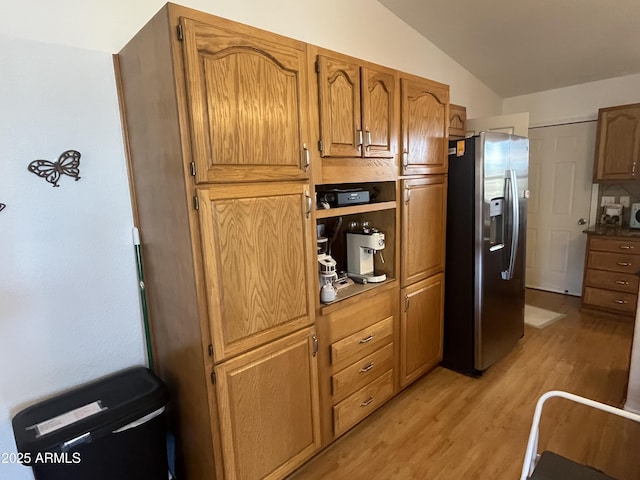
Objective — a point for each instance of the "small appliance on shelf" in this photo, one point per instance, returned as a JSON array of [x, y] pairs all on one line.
[[611, 214], [362, 245]]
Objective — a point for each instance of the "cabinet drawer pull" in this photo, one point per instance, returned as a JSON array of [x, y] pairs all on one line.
[[367, 402], [621, 302], [367, 367], [626, 247], [366, 339], [624, 264], [622, 282], [307, 156]]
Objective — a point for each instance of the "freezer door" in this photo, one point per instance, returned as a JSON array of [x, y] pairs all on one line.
[[499, 306]]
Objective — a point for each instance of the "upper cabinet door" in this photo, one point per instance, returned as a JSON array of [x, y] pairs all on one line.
[[245, 97], [425, 119], [339, 97], [259, 263], [424, 225], [618, 143], [378, 116]]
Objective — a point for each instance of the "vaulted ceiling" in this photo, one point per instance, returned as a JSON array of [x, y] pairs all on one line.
[[518, 47]]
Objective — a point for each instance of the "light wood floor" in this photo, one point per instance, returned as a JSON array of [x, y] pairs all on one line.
[[448, 426]]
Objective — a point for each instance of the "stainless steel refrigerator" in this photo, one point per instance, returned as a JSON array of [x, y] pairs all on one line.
[[485, 263]]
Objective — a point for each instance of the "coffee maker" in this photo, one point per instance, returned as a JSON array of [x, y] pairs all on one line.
[[361, 248]]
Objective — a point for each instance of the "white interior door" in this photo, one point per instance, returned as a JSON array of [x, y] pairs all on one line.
[[515, 124], [560, 178]]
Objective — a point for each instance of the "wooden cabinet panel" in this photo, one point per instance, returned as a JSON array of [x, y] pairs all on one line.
[[361, 343], [610, 300], [621, 282], [340, 114], [378, 118], [610, 278], [424, 227], [457, 121], [360, 404], [618, 143], [424, 123], [359, 315], [247, 102], [614, 262], [360, 373], [259, 263], [616, 245], [268, 408], [357, 108], [421, 328]]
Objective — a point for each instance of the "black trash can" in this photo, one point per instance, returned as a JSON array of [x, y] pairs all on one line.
[[113, 428]]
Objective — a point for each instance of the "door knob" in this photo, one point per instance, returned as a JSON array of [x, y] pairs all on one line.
[[582, 221]]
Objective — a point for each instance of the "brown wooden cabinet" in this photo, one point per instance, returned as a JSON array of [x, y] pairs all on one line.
[[258, 256], [424, 123], [617, 144], [209, 106], [269, 411], [356, 102], [424, 225], [357, 358], [421, 328], [218, 117], [610, 275], [457, 121], [247, 103]]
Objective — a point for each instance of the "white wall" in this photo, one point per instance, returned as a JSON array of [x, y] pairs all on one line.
[[362, 28], [576, 103], [69, 309]]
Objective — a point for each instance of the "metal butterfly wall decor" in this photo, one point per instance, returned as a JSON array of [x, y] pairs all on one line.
[[67, 164]]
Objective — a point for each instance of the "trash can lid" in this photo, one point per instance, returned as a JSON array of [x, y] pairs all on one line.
[[98, 408]]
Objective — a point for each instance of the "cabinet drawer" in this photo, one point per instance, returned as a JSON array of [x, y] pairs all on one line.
[[610, 300], [362, 343], [615, 245], [361, 372], [357, 406], [614, 262], [357, 316], [620, 282]]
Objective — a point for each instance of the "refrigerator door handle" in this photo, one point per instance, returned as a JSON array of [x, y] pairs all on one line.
[[512, 180]]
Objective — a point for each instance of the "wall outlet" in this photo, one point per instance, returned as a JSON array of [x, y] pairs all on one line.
[[624, 201], [607, 200]]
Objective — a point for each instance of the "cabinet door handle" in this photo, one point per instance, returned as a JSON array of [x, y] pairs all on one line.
[[307, 156], [308, 212], [360, 139], [314, 337], [624, 264], [366, 339], [622, 282], [625, 247], [367, 143], [367, 367], [407, 195], [621, 302], [367, 402], [405, 158], [406, 303]]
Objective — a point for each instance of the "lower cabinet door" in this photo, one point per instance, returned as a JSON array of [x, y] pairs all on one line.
[[421, 328], [268, 408]]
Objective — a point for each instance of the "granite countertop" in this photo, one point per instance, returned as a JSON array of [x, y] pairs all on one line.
[[612, 231]]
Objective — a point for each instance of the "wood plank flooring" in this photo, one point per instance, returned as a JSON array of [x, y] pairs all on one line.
[[448, 426]]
